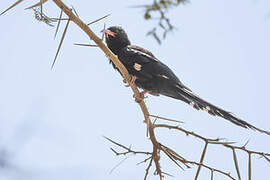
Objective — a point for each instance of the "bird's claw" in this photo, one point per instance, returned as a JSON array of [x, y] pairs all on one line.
[[141, 97], [138, 100], [133, 79]]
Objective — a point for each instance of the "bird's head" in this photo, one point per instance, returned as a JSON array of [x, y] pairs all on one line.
[[116, 38]]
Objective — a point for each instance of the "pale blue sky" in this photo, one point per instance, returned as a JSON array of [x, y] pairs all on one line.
[[52, 122]]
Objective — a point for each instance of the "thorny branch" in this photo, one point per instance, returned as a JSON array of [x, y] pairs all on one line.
[[177, 158], [158, 148], [124, 72]]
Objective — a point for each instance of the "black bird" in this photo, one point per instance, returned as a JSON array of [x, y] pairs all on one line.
[[156, 78]]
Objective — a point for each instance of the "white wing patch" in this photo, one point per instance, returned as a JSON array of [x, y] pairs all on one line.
[[137, 67], [219, 113], [142, 53], [207, 108], [166, 77]]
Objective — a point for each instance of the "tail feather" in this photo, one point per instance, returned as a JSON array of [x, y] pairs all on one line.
[[200, 104]]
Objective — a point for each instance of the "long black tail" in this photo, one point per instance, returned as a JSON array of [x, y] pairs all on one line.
[[198, 103]]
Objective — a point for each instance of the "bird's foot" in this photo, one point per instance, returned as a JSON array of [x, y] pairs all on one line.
[[138, 100], [133, 79]]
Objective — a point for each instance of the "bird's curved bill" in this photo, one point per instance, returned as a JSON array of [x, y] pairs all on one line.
[[108, 32]]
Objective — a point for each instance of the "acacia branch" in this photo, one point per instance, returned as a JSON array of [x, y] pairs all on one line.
[[128, 150], [124, 73], [215, 141]]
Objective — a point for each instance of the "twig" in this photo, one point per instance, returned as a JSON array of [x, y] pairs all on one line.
[[212, 174], [183, 130], [201, 160], [144, 161], [147, 169], [236, 164], [174, 155], [126, 148], [170, 156], [212, 169]]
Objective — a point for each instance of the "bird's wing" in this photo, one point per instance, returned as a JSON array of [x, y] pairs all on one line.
[[142, 62], [150, 66], [141, 50]]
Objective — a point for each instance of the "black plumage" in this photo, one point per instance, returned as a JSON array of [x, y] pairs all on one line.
[[154, 76]]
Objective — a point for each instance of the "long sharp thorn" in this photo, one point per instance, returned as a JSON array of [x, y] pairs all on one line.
[[98, 19], [10, 7], [266, 158], [104, 27], [166, 119], [40, 3], [58, 24], [59, 47], [172, 158], [246, 143], [118, 164], [140, 6], [62, 19], [75, 11], [90, 45]]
